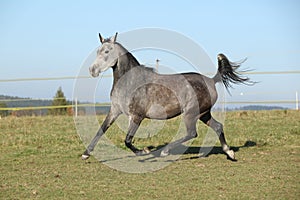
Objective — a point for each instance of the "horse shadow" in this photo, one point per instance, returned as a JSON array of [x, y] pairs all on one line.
[[199, 151]]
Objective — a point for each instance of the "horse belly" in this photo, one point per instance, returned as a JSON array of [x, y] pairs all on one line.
[[162, 111], [162, 103]]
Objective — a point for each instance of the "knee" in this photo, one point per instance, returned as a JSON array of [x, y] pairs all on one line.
[[128, 143], [193, 134]]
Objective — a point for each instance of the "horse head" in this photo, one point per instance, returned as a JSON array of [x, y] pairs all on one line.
[[107, 55]]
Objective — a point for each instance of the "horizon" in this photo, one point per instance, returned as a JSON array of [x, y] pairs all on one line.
[[228, 107]]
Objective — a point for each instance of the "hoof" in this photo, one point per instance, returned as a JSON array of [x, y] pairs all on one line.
[[141, 152], [85, 157], [164, 153], [146, 150], [231, 155]]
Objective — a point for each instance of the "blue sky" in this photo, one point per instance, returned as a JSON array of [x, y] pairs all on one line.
[[52, 38]]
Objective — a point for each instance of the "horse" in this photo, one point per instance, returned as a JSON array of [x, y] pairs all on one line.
[[140, 92]]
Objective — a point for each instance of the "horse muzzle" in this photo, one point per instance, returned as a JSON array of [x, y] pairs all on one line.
[[94, 72]]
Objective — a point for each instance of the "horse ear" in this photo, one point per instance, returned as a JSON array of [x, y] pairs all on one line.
[[101, 38], [114, 39]]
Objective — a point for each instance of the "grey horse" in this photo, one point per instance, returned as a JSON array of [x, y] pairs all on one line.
[[139, 92]]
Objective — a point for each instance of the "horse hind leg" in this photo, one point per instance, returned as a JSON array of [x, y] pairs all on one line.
[[218, 128], [190, 123]]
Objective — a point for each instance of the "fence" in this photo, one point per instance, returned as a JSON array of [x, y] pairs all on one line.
[[76, 105]]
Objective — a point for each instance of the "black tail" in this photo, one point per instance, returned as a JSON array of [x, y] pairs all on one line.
[[228, 74]]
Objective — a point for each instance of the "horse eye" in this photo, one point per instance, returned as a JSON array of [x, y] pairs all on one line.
[[106, 51]]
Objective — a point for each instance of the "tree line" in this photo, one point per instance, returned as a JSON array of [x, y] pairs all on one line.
[[58, 100], [14, 102]]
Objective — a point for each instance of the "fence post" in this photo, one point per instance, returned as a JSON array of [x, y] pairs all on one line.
[[157, 64], [297, 108], [76, 107]]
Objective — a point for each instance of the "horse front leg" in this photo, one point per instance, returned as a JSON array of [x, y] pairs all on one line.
[[109, 120], [134, 123]]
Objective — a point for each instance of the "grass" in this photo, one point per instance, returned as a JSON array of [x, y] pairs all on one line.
[[40, 159]]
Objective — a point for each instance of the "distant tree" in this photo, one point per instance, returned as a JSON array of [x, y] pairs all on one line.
[[3, 113], [59, 100]]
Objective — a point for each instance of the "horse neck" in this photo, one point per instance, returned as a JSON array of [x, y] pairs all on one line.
[[125, 63]]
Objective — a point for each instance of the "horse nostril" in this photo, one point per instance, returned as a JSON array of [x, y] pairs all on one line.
[[93, 71]]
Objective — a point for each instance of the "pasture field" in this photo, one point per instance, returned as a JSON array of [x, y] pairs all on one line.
[[40, 159]]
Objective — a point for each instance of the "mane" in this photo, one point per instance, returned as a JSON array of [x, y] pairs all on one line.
[[134, 61], [144, 67], [148, 68]]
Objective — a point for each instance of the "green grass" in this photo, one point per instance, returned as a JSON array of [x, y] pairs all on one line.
[[40, 159]]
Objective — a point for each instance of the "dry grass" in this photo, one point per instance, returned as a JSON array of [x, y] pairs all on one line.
[[41, 159]]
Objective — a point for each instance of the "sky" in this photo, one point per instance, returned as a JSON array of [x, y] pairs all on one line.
[[41, 39]]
